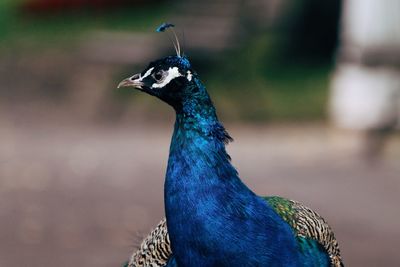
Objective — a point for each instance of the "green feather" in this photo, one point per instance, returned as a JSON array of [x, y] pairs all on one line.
[[284, 208], [303, 221]]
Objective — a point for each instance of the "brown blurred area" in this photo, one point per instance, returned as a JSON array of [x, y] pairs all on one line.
[[82, 164]]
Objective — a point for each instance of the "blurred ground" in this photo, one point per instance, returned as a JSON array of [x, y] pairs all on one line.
[[81, 195]]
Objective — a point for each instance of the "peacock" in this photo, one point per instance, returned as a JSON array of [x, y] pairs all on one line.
[[212, 217]]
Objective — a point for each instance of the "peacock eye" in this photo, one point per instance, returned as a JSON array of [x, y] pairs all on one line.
[[158, 75]]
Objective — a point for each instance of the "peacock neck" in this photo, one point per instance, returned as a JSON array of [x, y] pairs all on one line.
[[198, 163], [196, 118], [200, 138], [205, 198]]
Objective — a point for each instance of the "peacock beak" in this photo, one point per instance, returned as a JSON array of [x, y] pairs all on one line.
[[133, 81]]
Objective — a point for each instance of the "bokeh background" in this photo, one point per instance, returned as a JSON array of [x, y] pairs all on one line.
[[309, 89]]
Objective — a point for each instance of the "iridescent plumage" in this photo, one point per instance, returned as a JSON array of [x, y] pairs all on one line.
[[308, 224], [155, 250]]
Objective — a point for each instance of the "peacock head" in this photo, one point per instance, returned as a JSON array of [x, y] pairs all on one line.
[[171, 79]]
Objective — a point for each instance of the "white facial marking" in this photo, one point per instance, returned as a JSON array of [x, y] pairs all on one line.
[[148, 72], [172, 74], [189, 75]]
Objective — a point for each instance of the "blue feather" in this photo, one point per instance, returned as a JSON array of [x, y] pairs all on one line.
[[164, 26], [171, 262]]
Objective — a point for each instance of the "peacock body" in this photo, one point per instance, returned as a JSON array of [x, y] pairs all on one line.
[[212, 217], [309, 227]]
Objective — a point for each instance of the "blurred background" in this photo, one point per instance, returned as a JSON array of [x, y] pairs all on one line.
[[309, 89]]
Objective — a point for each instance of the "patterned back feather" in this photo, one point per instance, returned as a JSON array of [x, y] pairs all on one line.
[[308, 224], [155, 250]]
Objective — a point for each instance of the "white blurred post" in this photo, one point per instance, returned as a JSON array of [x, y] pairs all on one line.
[[365, 89]]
